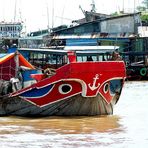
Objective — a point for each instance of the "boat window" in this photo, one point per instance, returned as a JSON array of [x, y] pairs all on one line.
[[81, 58], [47, 60], [90, 58], [94, 58]]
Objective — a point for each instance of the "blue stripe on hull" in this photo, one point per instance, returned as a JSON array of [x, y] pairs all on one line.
[[36, 93]]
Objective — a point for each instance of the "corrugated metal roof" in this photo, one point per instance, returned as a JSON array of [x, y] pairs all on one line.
[[90, 47]]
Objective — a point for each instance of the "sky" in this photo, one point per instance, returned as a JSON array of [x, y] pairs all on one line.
[[39, 14]]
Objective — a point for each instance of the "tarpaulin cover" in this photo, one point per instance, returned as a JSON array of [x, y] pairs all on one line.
[[8, 65]]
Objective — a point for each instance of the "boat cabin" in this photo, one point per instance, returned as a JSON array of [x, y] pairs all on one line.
[[52, 58]]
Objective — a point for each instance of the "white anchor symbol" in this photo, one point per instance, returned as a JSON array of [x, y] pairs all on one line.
[[93, 87]]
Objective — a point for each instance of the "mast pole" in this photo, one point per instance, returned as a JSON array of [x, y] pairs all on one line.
[[47, 16], [17, 63], [52, 13], [134, 5], [15, 11], [123, 6]]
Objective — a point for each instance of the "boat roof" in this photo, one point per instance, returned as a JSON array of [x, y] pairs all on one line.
[[3, 55], [91, 48], [77, 49], [22, 61], [38, 50]]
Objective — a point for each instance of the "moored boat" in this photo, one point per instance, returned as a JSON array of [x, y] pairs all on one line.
[[75, 83]]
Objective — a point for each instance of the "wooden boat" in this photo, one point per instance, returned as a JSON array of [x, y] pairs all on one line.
[[136, 65], [75, 87]]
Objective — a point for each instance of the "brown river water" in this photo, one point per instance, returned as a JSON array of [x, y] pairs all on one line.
[[126, 128]]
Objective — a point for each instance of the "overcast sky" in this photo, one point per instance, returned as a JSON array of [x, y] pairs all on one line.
[[37, 14]]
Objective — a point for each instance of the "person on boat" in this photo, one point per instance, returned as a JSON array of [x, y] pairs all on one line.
[[16, 84], [49, 72], [17, 81], [116, 56], [89, 58]]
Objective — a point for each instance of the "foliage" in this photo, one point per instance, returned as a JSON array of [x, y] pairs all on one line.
[[144, 18], [115, 14], [141, 8], [145, 2], [144, 9]]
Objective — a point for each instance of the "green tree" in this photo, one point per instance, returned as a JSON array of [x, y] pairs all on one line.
[[144, 7], [144, 18], [145, 2], [141, 8]]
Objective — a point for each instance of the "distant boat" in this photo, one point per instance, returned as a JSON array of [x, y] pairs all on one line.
[[10, 29], [10, 32], [76, 82], [136, 65]]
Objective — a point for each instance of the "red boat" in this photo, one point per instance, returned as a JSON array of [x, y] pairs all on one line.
[[79, 84]]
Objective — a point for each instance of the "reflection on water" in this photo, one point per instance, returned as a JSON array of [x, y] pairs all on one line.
[[61, 125], [60, 131], [126, 128]]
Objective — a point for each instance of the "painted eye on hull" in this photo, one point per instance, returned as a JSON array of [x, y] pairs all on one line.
[[106, 88], [65, 88]]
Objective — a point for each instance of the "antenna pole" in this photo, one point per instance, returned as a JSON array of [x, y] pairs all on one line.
[[15, 11], [82, 10], [52, 13], [93, 9], [134, 5], [47, 17], [123, 6]]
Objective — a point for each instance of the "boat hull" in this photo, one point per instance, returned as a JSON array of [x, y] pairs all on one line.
[[77, 89], [73, 106]]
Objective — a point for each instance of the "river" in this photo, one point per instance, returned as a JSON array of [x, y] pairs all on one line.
[[126, 128]]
